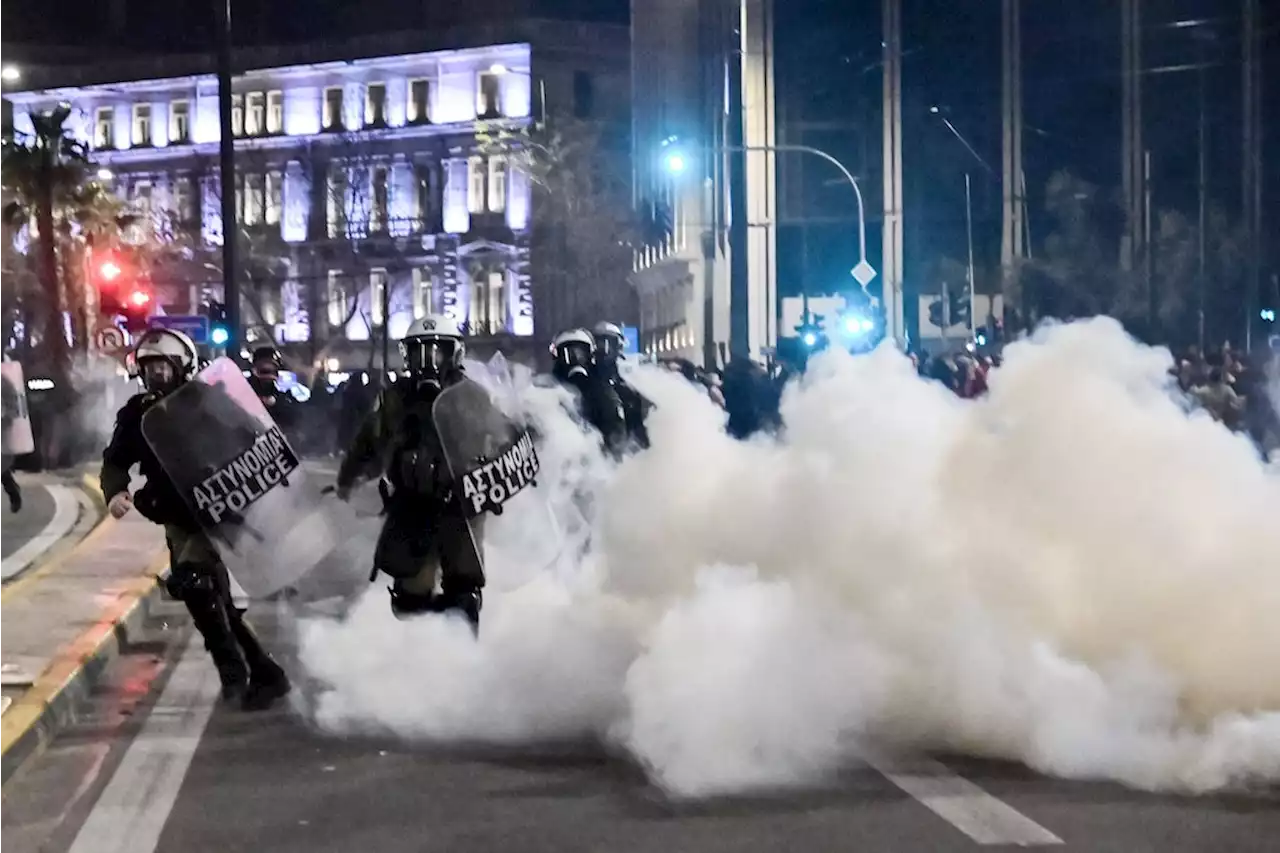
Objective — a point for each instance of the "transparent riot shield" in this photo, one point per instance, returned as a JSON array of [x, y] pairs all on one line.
[[493, 465], [241, 480], [17, 437]]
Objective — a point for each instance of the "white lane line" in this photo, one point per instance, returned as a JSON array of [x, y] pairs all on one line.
[[133, 808], [66, 509], [961, 803]]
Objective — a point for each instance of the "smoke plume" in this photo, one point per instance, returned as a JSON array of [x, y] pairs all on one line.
[[1073, 572]]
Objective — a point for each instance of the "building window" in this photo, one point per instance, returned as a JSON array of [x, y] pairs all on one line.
[[183, 201], [339, 298], [275, 197], [142, 197], [497, 184], [275, 112], [488, 303], [584, 95], [255, 116], [336, 201], [104, 128], [237, 115], [332, 118], [477, 182], [179, 122], [423, 293], [417, 109], [428, 202], [377, 294], [141, 124], [379, 217], [489, 95], [375, 105], [254, 201]]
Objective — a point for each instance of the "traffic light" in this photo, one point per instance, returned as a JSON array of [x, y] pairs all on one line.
[[811, 332], [108, 274], [136, 307], [218, 332]]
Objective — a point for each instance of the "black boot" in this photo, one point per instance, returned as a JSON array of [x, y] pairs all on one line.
[[211, 621], [465, 598], [406, 604], [11, 489], [268, 681]]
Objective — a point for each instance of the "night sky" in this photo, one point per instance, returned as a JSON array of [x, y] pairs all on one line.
[[829, 95], [828, 68]]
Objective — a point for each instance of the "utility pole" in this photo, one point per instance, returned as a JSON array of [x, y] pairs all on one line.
[[1202, 182], [1252, 165], [227, 179], [1131, 118], [968, 224], [892, 229], [1012, 238]]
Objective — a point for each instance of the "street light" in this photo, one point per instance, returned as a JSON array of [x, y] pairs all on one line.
[[105, 174], [10, 74], [497, 68], [864, 272]]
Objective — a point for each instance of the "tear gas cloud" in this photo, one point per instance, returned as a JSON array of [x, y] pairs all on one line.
[[1072, 572]]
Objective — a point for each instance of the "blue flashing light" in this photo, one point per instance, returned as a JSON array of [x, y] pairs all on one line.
[[219, 335], [810, 339], [1268, 314]]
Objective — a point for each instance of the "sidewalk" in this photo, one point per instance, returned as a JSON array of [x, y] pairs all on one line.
[[64, 621], [59, 509]]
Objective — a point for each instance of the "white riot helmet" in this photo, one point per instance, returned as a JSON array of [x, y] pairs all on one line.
[[574, 354], [432, 347], [610, 341], [164, 359]]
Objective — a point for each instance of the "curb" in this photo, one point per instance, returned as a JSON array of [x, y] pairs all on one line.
[[53, 700], [74, 538]]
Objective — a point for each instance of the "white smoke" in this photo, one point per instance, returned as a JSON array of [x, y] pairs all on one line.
[[1072, 572]]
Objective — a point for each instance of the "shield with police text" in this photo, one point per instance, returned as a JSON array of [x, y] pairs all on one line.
[[17, 420], [493, 465], [241, 480]]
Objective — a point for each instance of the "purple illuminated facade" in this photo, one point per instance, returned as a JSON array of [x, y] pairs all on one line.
[[364, 191]]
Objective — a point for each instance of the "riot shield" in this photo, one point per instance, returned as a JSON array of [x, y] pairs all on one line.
[[493, 465], [241, 480], [17, 437]]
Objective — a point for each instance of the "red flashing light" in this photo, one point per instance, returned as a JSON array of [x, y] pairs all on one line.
[[139, 297], [109, 270]]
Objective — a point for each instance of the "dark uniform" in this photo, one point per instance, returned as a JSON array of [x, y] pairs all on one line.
[[424, 531], [197, 576]]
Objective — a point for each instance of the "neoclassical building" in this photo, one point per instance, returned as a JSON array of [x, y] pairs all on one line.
[[363, 185]]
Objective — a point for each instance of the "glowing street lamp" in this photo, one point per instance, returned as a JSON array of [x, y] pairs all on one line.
[[10, 74], [105, 174], [675, 163], [497, 68]]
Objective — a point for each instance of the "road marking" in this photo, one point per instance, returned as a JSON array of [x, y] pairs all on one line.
[[133, 809], [961, 803], [66, 509]]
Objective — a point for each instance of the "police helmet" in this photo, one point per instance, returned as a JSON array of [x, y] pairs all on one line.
[[610, 341], [432, 346], [164, 359], [574, 352]]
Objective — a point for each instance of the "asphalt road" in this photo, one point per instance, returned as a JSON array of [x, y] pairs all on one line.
[[19, 528], [155, 766]]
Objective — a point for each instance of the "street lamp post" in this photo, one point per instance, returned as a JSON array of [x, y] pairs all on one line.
[[863, 272]]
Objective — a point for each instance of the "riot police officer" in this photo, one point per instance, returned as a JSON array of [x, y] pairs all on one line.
[[610, 345], [425, 533], [574, 366], [165, 360]]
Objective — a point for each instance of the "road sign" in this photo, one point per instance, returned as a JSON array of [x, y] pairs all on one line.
[[109, 339], [193, 326], [632, 336], [863, 273]]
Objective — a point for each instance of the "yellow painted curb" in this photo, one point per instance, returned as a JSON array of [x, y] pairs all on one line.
[[29, 708], [16, 586]]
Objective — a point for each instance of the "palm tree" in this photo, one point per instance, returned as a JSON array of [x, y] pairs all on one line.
[[46, 172]]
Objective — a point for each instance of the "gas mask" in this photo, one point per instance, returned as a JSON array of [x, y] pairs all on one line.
[[429, 359], [159, 375], [573, 362]]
